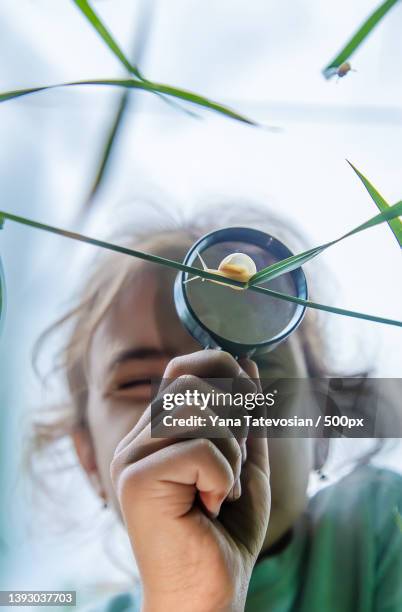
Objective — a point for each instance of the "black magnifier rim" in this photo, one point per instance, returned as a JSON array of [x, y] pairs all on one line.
[[200, 331]]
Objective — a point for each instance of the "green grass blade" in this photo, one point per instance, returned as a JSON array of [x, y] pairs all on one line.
[[99, 26], [10, 95], [295, 261], [118, 249], [159, 89], [198, 100], [393, 212], [192, 270], [173, 92], [141, 36], [365, 29], [95, 21], [285, 265], [381, 203], [387, 213], [108, 146], [332, 309]]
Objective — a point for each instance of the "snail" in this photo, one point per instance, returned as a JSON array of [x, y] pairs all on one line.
[[236, 266]]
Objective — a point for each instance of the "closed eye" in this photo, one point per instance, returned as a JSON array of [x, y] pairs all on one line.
[[133, 372], [133, 390], [129, 384]]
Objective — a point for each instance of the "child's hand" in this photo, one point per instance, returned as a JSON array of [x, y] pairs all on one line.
[[189, 558]]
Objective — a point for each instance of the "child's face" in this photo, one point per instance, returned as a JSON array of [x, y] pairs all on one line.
[[134, 343]]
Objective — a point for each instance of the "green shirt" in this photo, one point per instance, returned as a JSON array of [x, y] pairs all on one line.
[[345, 554]]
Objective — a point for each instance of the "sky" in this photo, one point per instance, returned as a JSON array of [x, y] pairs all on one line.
[[265, 60]]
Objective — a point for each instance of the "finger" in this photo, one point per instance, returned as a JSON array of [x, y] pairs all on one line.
[[197, 463], [205, 364], [156, 409], [146, 441], [230, 442], [185, 382]]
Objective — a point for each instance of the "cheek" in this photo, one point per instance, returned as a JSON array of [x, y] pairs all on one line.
[[109, 421]]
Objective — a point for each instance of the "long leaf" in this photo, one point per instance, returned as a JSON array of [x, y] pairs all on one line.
[[295, 261], [95, 21], [141, 36], [116, 248], [365, 29], [382, 204], [204, 274], [112, 135], [333, 309], [168, 90], [108, 146], [286, 265], [105, 34]]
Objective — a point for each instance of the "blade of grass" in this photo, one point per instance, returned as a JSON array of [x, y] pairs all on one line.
[[107, 37], [95, 21], [365, 29], [107, 149], [382, 205], [142, 31], [199, 272], [116, 248], [295, 261], [332, 309], [141, 36], [173, 92]]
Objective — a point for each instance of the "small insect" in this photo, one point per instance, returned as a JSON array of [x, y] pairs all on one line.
[[343, 70], [340, 71], [237, 266]]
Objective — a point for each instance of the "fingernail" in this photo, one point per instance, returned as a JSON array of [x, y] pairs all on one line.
[[237, 489], [215, 514], [243, 449]]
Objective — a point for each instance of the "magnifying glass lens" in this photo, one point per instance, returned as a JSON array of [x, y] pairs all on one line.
[[238, 320], [240, 316]]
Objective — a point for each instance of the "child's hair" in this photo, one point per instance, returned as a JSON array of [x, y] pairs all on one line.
[[111, 274]]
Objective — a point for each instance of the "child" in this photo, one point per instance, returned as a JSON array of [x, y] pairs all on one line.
[[217, 525]]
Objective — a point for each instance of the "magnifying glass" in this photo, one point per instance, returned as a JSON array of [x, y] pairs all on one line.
[[243, 322]]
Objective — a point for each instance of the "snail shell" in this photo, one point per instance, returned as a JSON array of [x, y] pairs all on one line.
[[237, 266]]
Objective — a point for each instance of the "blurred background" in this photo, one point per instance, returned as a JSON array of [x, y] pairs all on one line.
[[264, 59]]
